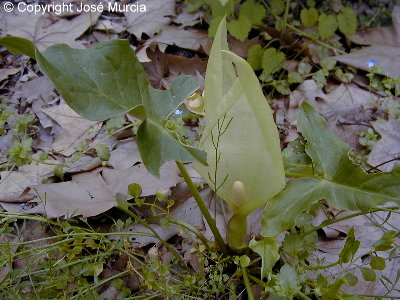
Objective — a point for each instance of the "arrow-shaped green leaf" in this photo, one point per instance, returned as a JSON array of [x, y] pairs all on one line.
[[345, 185], [98, 83]]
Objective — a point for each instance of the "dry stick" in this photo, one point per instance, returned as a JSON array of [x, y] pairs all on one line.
[[384, 163], [324, 224], [204, 210]]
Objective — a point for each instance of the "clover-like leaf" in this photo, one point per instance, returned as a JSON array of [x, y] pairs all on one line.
[[327, 26], [347, 21], [309, 17]]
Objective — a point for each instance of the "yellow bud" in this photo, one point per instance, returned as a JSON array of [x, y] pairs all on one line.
[[238, 194]]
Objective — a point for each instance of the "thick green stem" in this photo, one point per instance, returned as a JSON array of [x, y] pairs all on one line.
[[236, 231], [204, 210], [247, 283]]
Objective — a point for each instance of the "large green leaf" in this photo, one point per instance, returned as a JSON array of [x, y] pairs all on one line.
[[249, 149], [345, 185], [107, 81], [102, 82], [156, 144], [18, 45]]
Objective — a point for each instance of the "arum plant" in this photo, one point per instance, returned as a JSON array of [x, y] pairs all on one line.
[[245, 166], [106, 81]]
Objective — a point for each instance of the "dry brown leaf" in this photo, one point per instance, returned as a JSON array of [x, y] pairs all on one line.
[[125, 155], [5, 73], [387, 58], [157, 68], [103, 137], [75, 129], [152, 21], [14, 184], [345, 104], [388, 147], [45, 31], [384, 36], [193, 39], [6, 142], [384, 49], [83, 164], [37, 88], [178, 65], [187, 19], [88, 196], [109, 26], [118, 180], [182, 65], [103, 36], [163, 68]]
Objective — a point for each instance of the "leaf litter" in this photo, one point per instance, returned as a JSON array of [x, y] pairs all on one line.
[[384, 48]]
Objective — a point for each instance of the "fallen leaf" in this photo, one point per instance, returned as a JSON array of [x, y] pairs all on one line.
[[152, 21], [384, 36], [44, 31], [102, 36], [384, 48], [186, 19], [14, 185], [109, 26], [346, 108], [193, 39], [75, 129], [83, 164], [118, 180], [5, 73], [103, 137], [37, 88], [187, 212], [178, 65], [88, 197], [125, 155], [388, 147], [157, 68]]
